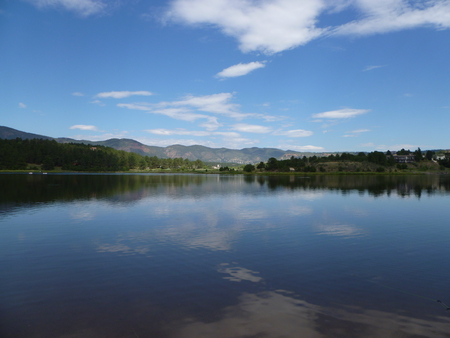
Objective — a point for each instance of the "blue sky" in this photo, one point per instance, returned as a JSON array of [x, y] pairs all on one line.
[[305, 75]]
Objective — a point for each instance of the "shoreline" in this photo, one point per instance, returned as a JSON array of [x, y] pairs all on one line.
[[209, 172]]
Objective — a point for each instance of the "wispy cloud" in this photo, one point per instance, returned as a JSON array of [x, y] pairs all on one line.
[[188, 107], [100, 103], [77, 94], [355, 133], [84, 127], [81, 7], [394, 15], [211, 124], [396, 147], [122, 94], [276, 25], [101, 137], [240, 69], [300, 148], [251, 128], [294, 133], [372, 68], [184, 132], [22, 105], [341, 113], [393, 147], [215, 103], [183, 114]]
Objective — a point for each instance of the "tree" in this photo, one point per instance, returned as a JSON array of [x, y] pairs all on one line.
[[261, 166], [418, 155], [198, 164], [272, 164], [390, 158], [142, 163], [249, 168], [132, 160], [429, 155], [48, 163], [377, 157], [403, 152]]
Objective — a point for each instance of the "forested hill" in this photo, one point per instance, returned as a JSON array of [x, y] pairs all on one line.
[[34, 154], [205, 154]]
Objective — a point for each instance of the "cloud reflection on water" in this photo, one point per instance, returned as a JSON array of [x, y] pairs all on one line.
[[82, 216], [238, 273], [338, 229], [277, 314], [122, 249]]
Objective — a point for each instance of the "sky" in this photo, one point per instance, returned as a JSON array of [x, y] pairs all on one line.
[[303, 75]]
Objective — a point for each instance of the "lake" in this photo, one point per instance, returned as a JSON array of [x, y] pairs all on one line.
[[150, 255]]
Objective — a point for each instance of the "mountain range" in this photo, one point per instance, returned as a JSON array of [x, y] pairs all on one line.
[[205, 154]]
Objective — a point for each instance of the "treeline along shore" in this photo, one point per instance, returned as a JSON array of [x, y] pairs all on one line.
[[404, 161], [47, 155], [39, 154]]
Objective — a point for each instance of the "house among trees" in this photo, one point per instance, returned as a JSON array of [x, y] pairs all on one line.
[[404, 158], [442, 155]]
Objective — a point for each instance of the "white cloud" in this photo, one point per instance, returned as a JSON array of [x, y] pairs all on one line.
[[211, 124], [168, 132], [22, 105], [273, 26], [301, 148], [84, 127], [341, 113], [184, 109], [294, 133], [82, 7], [238, 143], [396, 147], [393, 147], [100, 103], [180, 114], [381, 16], [183, 114], [77, 94], [251, 128], [240, 69], [215, 103], [102, 137], [122, 94], [267, 26]]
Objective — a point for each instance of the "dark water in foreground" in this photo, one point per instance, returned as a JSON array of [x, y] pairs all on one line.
[[224, 256]]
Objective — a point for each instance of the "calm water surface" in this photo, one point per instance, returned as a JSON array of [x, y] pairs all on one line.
[[224, 256]]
